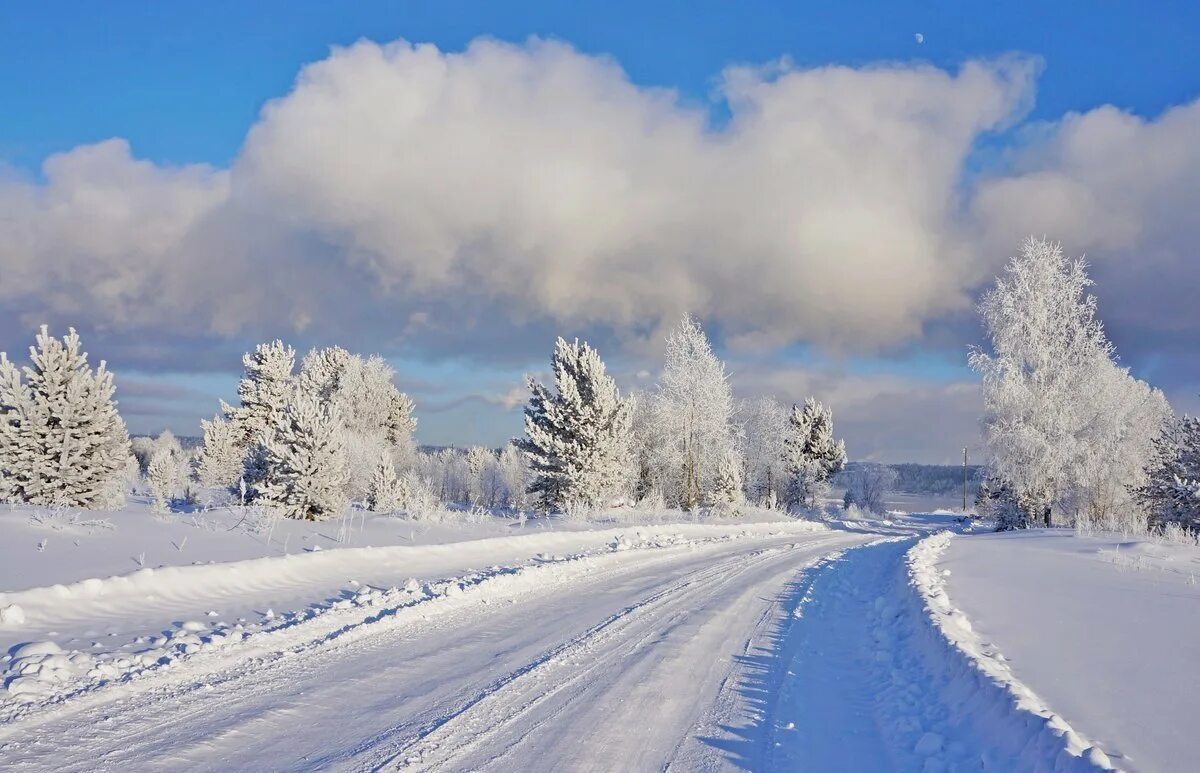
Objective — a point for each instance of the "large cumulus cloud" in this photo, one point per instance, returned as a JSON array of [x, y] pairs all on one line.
[[401, 192]]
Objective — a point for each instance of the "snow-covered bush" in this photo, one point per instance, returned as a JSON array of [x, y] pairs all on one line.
[[303, 461], [996, 501], [577, 437], [1067, 428], [62, 441], [689, 425], [867, 486], [811, 455]]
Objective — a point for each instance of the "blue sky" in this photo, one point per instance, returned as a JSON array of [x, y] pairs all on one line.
[[184, 83]]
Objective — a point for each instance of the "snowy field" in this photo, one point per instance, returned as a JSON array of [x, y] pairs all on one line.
[[137, 641], [1103, 629]]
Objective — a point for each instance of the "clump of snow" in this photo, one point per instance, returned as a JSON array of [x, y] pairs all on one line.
[[12, 614]]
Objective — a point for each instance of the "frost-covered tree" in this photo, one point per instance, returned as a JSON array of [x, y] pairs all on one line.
[[1067, 428], [514, 473], [811, 455], [691, 417], [303, 461], [62, 441], [478, 463], [264, 391], [1171, 492], [766, 429], [219, 460], [385, 494], [375, 415], [577, 437], [867, 486], [399, 424]]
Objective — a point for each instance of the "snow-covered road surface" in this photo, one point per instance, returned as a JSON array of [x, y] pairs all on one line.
[[629, 659], [781, 646]]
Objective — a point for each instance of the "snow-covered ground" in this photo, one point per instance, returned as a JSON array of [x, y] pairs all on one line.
[[216, 641], [1103, 630]]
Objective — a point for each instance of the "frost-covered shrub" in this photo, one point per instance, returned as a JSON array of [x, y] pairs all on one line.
[[867, 486]]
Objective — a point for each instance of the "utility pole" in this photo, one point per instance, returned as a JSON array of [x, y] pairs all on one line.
[[964, 480]]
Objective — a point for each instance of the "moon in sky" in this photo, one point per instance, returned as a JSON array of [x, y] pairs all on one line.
[[919, 38]]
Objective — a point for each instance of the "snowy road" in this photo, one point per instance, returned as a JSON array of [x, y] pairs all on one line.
[[764, 648], [634, 660]]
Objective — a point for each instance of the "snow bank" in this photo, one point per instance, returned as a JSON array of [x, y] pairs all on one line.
[[980, 682]]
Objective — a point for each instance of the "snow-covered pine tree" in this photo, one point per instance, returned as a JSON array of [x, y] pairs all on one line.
[[62, 441], [264, 389], [162, 474], [1171, 493], [321, 371], [996, 501], [303, 461], [219, 461], [811, 454], [385, 493], [727, 495], [577, 436], [400, 424], [691, 417]]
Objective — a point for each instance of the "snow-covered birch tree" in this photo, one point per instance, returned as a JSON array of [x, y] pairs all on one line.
[[62, 441], [577, 436], [691, 417], [766, 429], [1064, 426]]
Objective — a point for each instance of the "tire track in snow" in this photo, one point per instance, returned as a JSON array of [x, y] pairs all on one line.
[[559, 678], [232, 707]]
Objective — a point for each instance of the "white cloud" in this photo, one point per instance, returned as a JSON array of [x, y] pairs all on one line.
[[1124, 190], [510, 183], [478, 202]]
